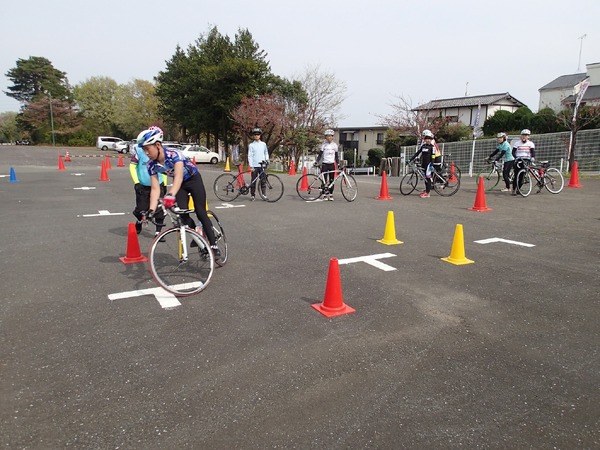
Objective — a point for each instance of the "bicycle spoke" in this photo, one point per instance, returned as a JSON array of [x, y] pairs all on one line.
[[554, 180], [271, 188], [220, 238], [227, 187], [348, 187], [309, 187]]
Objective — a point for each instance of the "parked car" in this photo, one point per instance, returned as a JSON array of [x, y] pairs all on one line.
[[131, 145], [201, 154], [105, 142], [173, 145], [120, 146]]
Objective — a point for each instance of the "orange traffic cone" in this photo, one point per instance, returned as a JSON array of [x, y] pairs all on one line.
[[292, 168], [120, 163], [383, 192], [333, 304], [304, 182], [452, 178], [61, 164], [194, 160], [103, 174], [108, 165], [480, 198], [67, 157], [574, 180], [133, 255]]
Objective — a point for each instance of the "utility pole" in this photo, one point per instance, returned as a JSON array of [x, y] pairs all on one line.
[[581, 38], [51, 120]]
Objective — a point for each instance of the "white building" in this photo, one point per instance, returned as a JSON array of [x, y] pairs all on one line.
[[561, 91]]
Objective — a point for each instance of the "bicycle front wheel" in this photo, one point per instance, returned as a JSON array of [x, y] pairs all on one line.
[[408, 183], [271, 188], [309, 187], [220, 237], [226, 187], [180, 269], [348, 187], [446, 184], [490, 176], [524, 184], [554, 180]]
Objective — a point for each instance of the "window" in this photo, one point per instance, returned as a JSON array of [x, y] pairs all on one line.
[[379, 138]]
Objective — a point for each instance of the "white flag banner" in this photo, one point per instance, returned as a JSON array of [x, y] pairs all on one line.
[[582, 88]]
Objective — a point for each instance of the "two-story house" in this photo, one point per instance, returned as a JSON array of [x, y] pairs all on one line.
[[561, 91], [356, 142]]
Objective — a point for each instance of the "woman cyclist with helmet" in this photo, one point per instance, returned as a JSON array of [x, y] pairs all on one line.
[[427, 151], [505, 154], [328, 157], [523, 150], [186, 179]]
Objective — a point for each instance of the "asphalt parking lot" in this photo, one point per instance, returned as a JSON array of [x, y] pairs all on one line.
[[501, 353]]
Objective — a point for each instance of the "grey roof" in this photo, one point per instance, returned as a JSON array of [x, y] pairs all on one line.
[[591, 93], [460, 102], [565, 81]]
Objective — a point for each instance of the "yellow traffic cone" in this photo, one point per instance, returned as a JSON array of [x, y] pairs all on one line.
[[389, 236], [227, 169], [457, 254]]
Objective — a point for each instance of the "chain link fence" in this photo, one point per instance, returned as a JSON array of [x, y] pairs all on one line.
[[553, 147]]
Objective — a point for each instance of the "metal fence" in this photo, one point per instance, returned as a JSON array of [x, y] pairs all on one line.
[[553, 147]]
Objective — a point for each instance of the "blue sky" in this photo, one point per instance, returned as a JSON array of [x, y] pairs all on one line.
[[380, 49]]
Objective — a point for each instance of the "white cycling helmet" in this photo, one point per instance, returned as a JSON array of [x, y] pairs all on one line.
[[150, 136], [427, 133], [526, 131], [329, 132], [501, 135]]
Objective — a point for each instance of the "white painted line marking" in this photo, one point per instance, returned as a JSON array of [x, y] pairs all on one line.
[[102, 213], [165, 299], [506, 241], [229, 205], [85, 188], [77, 174], [372, 260]]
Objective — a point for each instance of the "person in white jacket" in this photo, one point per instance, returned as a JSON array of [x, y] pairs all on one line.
[[257, 153]]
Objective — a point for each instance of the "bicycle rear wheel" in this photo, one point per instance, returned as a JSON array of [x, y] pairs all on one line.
[[313, 187], [523, 180], [408, 183], [220, 237], [348, 187], [273, 188], [491, 178], [554, 180], [177, 274], [446, 184], [226, 186]]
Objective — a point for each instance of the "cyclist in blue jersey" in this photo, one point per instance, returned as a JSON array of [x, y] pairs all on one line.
[[186, 180]]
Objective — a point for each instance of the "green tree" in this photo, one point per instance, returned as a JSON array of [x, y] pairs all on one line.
[[545, 121], [522, 118], [453, 132], [501, 121], [96, 99], [8, 127], [36, 77], [136, 107]]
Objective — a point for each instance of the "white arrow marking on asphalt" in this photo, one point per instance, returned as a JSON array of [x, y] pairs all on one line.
[[102, 213], [506, 241], [166, 299], [372, 260], [3, 176], [228, 205], [85, 188]]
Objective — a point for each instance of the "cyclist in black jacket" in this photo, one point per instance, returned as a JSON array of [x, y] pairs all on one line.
[[426, 151]]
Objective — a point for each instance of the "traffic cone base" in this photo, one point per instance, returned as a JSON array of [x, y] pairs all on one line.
[[480, 198], [574, 180], [389, 236], [13, 176], [61, 164], [457, 254], [133, 254], [383, 192], [333, 304]]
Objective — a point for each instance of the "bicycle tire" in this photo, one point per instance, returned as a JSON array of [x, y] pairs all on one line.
[[448, 185], [553, 180], [225, 187], [167, 267], [491, 178], [274, 188], [348, 187], [314, 188], [220, 238], [526, 185], [409, 183]]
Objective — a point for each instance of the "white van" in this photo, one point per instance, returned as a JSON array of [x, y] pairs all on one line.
[[105, 142]]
